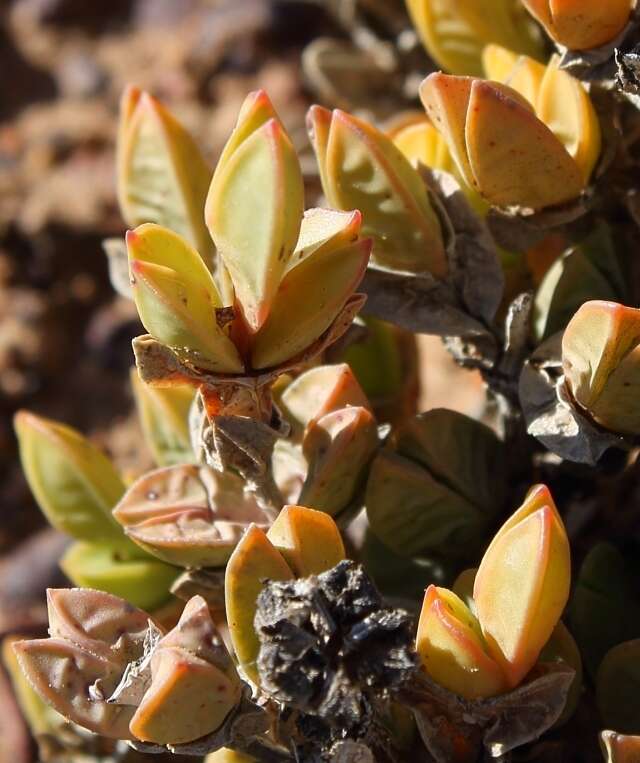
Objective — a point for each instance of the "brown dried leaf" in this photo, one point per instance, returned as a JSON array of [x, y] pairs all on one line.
[[551, 415]]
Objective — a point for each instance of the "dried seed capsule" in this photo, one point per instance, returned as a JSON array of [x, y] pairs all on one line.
[[581, 24], [601, 362], [499, 145], [522, 585]]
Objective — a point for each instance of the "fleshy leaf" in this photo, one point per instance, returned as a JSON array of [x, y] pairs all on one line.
[[617, 686], [522, 585], [601, 362], [454, 33], [177, 298], [338, 448], [74, 483], [366, 171], [309, 540], [162, 175], [415, 513], [309, 299], [188, 515], [321, 390], [618, 748], [188, 698], [254, 560], [145, 582], [63, 674], [254, 208], [501, 148], [164, 414], [452, 649], [581, 24], [325, 229]]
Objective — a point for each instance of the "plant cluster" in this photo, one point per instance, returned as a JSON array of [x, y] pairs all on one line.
[[301, 505]]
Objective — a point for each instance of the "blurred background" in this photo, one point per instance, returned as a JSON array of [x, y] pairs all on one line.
[[64, 335]]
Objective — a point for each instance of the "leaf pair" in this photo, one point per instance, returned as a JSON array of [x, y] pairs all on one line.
[[436, 486], [361, 168], [337, 432], [500, 147], [107, 668], [601, 363], [187, 515], [558, 99], [301, 542], [519, 593]]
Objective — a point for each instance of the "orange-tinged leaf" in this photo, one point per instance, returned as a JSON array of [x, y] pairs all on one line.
[[253, 211], [521, 73], [366, 171], [324, 229], [522, 585], [188, 698], [581, 24], [162, 175], [516, 159], [177, 306], [446, 100], [421, 142], [454, 32], [565, 107], [318, 127], [452, 650], [620, 748], [338, 448], [308, 300], [309, 540], [254, 560], [256, 109], [321, 390], [597, 339]]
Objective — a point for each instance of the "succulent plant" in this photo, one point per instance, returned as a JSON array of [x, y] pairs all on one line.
[[298, 465], [519, 593]]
